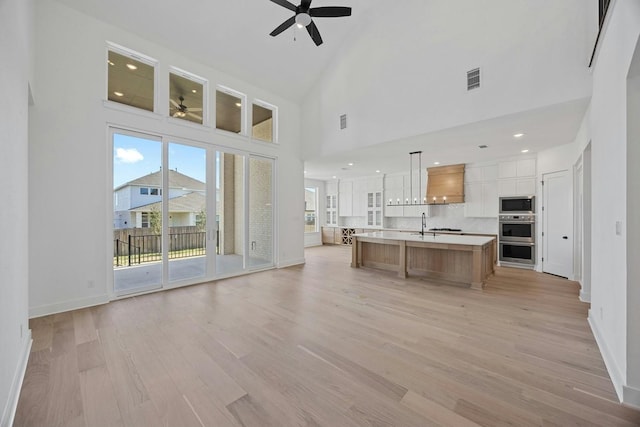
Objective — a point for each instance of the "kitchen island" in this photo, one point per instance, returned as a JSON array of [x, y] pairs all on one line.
[[455, 258]]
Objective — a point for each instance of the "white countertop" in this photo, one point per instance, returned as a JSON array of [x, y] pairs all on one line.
[[447, 239]]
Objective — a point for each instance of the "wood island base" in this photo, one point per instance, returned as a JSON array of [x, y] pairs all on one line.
[[460, 259]]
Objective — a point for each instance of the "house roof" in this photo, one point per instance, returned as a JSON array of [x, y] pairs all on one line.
[[176, 180], [191, 202]]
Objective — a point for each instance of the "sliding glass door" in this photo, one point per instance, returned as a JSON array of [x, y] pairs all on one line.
[[138, 210], [185, 212]]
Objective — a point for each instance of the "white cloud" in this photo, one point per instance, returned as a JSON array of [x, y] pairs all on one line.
[[128, 155]]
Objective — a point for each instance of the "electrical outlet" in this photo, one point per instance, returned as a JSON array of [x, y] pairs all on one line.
[[91, 284], [618, 228]]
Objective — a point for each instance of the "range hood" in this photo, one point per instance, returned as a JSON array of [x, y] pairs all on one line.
[[445, 184]]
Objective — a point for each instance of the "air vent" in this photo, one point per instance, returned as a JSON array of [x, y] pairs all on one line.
[[473, 79], [483, 146], [343, 121]]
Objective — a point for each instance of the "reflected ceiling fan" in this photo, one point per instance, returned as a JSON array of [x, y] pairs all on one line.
[[181, 110], [303, 14]]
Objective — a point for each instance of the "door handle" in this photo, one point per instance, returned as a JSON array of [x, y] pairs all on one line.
[[565, 237]]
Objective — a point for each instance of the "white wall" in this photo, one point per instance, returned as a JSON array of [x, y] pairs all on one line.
[[395, 81], [633, 227], [15, 338], [69, 144], [609, 316]]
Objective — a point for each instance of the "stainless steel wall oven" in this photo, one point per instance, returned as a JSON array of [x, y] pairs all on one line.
[[517, 239]]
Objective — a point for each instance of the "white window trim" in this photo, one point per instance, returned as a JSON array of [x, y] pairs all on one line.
[[316, 210], [138, 57], [274, 118], [243, 110], [205, 93]]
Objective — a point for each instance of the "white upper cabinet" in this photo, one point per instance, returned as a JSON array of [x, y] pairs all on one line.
[[345, 198], [517, 178], [481, 191]]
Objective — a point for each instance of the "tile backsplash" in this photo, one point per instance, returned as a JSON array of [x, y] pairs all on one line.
[[449, 216]]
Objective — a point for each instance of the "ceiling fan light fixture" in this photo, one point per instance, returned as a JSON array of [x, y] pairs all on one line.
[[303, 19]]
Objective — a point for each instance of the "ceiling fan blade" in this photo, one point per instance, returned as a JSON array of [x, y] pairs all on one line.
[[175, 104], [286, 24], [196, 109], [195, 116], [285, 3], [304, 4], [314, 33], [330, 11]]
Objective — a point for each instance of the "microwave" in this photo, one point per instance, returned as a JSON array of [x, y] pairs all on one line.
[[519, 205]]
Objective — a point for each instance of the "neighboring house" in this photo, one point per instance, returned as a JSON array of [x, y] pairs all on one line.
[[134, 200]]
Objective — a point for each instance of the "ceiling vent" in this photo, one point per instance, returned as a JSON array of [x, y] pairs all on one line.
[[343, 121], [473, 79]]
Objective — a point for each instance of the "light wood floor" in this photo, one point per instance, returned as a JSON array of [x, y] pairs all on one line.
[[325, 344]]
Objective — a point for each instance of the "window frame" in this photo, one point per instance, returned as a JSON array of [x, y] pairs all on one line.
[[274, 119], [206, 122], [140, 57], [243, 110], [315, 211]]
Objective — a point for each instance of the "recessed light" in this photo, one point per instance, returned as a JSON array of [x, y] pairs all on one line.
[[305, 171], [194, 91], [350, 164], [238, 104], [110, 63], [518, 135], [436, 163], [334, 177], [132, 67], [525, 151], [118, 93], [378, 171]]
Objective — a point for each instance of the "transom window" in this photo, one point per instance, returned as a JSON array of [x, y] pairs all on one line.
[[264, 121], [131, 79], [230, 110], [186, 96]]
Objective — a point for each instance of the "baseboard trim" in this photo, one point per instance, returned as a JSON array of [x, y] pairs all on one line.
[[585, 296], [291, 263], [631, 397], [44, 310], [16, 386], [612, 367]]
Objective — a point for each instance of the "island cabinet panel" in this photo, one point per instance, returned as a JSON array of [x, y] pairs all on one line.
[[445, 264], [380, 256]]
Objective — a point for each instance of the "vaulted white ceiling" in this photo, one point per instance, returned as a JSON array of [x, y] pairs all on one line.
[[233, 36]]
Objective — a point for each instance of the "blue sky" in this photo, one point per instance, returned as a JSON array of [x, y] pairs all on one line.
[[135, 157]]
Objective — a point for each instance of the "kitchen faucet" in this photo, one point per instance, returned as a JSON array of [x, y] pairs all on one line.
[[424, 223]]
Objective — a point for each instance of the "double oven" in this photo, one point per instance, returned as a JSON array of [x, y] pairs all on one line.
[[517, 231]]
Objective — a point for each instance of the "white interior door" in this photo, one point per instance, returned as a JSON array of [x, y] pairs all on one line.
[[557, 224]]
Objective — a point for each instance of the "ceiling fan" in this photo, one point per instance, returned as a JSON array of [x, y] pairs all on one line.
[[303, 14], [182, 110]]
